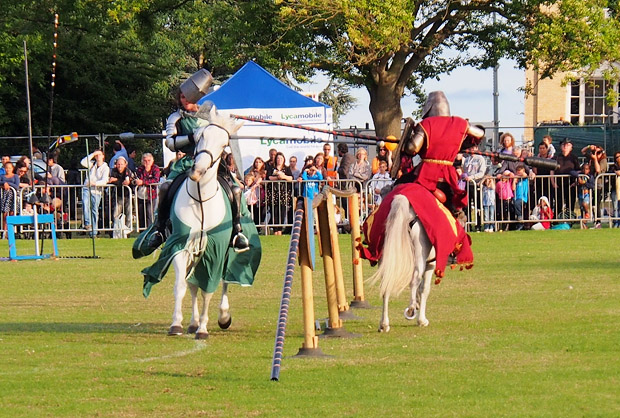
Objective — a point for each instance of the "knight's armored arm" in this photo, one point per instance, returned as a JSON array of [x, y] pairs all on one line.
[[416, 141], [475, 131], [173, 141]]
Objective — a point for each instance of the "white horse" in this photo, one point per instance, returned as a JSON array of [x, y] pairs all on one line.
[[198, 247], [408, 259]]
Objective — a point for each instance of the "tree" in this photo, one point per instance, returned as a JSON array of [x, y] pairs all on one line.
[[118, 61], [116, 65], [337, 95], [392, 46]]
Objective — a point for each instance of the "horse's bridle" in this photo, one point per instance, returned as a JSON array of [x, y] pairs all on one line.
[[206, 151], [213, 162]]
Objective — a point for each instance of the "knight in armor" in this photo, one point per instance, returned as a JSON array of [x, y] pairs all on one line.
[[180, 127], [437, 140]]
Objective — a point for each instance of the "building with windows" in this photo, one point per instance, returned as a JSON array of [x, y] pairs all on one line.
[[576, 109]]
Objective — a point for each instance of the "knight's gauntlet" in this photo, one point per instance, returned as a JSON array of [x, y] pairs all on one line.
[[177, 142], [414, 142]]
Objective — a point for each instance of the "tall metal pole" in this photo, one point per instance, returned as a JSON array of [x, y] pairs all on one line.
[[495, 100], [49, 128], [35, 220]]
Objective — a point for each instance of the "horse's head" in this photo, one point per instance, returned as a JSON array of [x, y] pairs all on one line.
[[211, 141]]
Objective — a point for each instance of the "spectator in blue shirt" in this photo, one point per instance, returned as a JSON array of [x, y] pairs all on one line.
[[311, 188], [522, 190], [5, 159], [119, 151]]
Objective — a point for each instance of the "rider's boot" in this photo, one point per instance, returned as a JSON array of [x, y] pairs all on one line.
[[163, 209], [240, 242]]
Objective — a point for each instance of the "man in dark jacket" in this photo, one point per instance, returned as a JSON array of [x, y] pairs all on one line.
[[346, 160], [566, 189]]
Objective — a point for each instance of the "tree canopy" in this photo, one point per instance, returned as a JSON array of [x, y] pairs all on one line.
[[392, 46], [118, 61]]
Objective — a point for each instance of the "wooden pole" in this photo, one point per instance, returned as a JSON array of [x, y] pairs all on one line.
[[334, 321], [341, 295], [358, 275], [311, 341]]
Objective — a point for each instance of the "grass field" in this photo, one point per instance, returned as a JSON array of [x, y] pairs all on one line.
[[532, 330]]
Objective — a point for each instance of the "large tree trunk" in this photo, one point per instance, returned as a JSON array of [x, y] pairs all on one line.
[[385, 109]]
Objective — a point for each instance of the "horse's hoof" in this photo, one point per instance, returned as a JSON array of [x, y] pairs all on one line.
[[225, 325], [175, 330], [383, 328], [409, 313], [192, 329], [202, 335], [423, 323]]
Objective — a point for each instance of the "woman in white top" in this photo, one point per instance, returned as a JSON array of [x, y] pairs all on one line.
[[360, 171], [98, 175]]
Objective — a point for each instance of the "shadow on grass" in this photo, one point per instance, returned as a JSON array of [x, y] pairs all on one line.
[[85, 328]]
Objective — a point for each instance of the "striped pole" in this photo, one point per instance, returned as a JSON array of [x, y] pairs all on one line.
[[286, 292], [531, 161], [126, 136], [309, 128]]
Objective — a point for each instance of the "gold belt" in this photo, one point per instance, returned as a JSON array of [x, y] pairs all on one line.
[[441, 162]]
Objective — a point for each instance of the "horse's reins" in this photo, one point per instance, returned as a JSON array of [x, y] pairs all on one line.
[[213, 162], [199, 200]]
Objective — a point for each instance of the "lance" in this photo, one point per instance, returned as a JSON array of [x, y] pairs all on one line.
[[531, 161], [373, 138], [124, 136]]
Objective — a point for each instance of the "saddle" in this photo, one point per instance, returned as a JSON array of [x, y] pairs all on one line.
[[223, 180]]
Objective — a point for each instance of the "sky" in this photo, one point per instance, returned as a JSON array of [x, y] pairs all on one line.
[[470, 93]]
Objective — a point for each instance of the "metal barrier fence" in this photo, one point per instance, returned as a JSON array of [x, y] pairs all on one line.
[[122, 210], [8, 204], [128, 209], [566, 194], [116, 209], [272, 210]]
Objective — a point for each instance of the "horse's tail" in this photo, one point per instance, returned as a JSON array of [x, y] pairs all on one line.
[[396, 266]]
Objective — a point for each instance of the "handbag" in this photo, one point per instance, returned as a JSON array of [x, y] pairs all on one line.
[[141, 192], [250, 197]]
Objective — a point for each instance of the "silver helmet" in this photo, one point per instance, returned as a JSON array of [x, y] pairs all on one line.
[[195, 87], [436, 105]]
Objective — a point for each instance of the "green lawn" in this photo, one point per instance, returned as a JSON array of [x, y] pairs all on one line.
[[532, 330]]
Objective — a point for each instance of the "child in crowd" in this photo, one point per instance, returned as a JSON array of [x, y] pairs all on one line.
[[615, 189], [542, 212], [503, 188], [488, 203], [27, 210], [381, 182], [521, 187], [311, 188], [551, 149], [585, 185], [255, 197], [461, 184]]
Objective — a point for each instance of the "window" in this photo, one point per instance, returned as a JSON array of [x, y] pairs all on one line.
[[588, 102]]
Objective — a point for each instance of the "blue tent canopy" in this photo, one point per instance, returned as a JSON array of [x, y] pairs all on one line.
[[253, 87]]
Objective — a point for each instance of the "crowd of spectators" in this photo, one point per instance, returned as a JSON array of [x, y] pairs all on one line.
[[102, 207], [511, 195], [271, 185], [502, 194]]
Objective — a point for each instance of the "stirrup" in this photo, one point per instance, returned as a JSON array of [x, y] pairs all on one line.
[[156, 240], [240, 243]]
